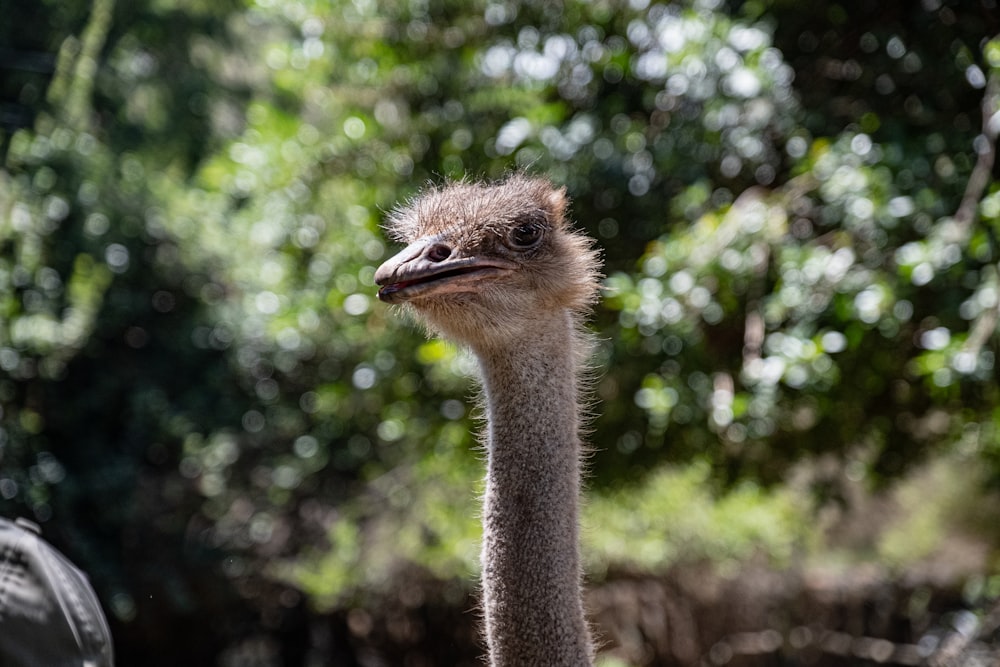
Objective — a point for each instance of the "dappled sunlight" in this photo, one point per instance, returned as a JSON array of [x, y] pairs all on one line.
[[201, 395]]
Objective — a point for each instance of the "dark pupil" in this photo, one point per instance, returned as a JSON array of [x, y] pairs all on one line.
[[526, 234]]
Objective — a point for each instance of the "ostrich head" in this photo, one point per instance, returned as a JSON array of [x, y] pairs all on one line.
[[487, 263]]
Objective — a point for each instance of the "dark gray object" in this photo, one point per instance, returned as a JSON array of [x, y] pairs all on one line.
[[49, 614]]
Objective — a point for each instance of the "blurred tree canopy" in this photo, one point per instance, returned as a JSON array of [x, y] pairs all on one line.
[[798, 207]]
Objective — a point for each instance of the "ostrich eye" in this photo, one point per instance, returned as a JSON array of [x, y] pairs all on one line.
[[526, 235]]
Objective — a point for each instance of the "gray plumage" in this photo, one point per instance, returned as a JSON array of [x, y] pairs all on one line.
[[499, 269]]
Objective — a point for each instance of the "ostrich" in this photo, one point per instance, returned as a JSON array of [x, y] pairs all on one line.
[[497, 268]]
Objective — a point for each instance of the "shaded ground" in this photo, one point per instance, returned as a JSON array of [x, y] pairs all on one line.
[[689, 616], [941, 611]]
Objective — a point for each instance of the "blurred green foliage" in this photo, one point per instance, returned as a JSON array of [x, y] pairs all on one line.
[[797, 204], [936, 508], [674, 517]]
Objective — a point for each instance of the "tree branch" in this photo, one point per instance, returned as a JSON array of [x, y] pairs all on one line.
[[986, 149]]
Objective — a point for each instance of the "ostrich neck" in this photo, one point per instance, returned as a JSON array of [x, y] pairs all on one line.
[[530, 558]]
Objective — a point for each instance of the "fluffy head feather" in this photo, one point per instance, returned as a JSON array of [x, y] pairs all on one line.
[[540, 264]]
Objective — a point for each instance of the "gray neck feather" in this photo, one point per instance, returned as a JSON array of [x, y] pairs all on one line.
[[530, 557]]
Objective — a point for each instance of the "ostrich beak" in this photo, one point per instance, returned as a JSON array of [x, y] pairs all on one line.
[[430, 267]]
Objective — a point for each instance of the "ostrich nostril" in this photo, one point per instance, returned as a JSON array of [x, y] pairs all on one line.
[[438, 252]]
